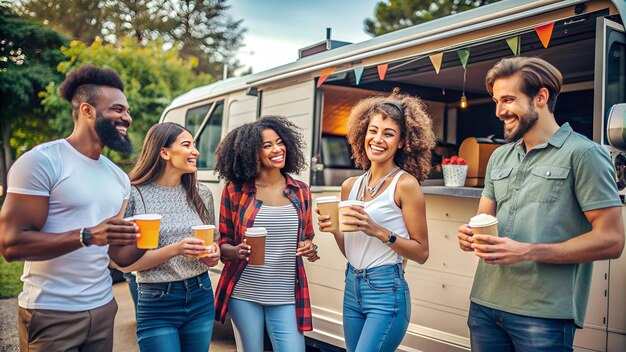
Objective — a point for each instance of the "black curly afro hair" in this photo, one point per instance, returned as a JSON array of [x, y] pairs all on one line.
[[238, 153], [82, 84]]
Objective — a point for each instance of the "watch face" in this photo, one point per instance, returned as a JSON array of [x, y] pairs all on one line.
[[392, 238]]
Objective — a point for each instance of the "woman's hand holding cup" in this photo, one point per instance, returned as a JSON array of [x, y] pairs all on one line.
[[192, 247], [243, 250], [213, 258]]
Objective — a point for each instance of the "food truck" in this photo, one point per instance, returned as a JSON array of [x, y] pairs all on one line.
[[443, 62]]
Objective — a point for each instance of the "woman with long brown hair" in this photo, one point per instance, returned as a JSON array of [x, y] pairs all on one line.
[[175, 302]]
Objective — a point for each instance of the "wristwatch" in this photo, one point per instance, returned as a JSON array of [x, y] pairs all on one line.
[[85, 237], [392, 239]]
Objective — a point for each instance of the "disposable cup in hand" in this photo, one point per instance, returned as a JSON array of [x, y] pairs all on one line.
[[484, 224], [344, 208], [205, 233], [149, 225], [255, 238], [329, 206]]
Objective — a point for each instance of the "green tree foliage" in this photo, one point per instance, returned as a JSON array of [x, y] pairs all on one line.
[[153, 77], [29, 54], [201, 29], [397, 14], [197, 28], [79, 19]]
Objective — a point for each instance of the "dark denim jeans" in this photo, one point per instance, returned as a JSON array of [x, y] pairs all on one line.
[[376, 308], [175, 316], [493, 330]]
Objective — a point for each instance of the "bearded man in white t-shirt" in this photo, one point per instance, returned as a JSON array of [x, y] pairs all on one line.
[[63, 216]]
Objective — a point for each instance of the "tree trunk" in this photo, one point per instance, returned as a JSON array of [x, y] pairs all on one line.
[[6, 158]]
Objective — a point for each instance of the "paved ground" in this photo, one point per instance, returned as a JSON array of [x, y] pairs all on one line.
[[125, 339]]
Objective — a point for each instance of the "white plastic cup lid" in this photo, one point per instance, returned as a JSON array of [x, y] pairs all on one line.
[[203, 227], [483, 220], [329, 199], [256, 232], [347, 203], [148, 217]]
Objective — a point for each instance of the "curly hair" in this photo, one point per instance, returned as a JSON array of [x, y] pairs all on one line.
[[238, 153], [82, 84], [415, 130]]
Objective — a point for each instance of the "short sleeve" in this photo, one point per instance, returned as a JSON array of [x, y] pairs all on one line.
[[488, 188], [595, 184], [131, 207], [32, 174], [207, 198]]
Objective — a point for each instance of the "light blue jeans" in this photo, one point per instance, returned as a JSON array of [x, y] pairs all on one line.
[[282, 327], [493, 330], [175, 316], [376, 308]]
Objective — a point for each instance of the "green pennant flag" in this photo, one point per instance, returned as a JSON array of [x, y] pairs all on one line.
[[358, 73], [515, 43], [463, 56]]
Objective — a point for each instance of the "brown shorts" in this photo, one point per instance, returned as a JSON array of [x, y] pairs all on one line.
[[54, 330]]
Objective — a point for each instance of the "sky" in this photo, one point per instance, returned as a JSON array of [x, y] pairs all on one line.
[[278, 28]]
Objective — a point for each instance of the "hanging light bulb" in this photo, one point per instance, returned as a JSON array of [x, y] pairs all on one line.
[[463, 98], [463, 101]]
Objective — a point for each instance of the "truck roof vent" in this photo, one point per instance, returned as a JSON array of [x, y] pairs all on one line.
[[322, 46]]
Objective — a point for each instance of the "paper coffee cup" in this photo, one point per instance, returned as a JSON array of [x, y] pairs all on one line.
[[149, 225], [344, 207], [205, 233], [255, 238], [484, 224], [329, 206]]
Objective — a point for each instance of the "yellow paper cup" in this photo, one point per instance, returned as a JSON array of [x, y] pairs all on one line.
[[149, 225], [205, 233]]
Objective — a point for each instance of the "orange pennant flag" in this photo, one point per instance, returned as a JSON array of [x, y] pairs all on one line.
[[436, 60], [545, 33], [382, 71], [324, 74]]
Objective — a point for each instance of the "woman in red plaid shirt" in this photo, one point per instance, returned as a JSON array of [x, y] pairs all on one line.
[[256, 160]]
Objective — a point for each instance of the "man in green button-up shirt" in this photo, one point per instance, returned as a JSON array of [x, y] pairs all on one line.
[[555, 197]]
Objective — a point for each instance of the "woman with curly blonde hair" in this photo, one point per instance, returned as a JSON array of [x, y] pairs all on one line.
[[391, 138]]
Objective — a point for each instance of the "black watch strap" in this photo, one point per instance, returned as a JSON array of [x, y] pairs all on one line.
[[392, 238], [85, 237]]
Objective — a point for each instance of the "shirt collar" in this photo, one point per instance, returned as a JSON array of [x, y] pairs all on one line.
[[250, 186], [557, 139]]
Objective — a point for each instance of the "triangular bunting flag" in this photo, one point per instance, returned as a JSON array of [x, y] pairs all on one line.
[[324, 74], [436, 60], [382, 71], [463, 56], [515, 44], [358, 72], [545, 33]]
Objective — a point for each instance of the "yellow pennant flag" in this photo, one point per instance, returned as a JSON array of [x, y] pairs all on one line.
[[436, 60]]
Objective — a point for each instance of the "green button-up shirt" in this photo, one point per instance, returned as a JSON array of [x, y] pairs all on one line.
[[541, 197]]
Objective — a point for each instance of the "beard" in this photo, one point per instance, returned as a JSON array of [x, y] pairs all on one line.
[[525, 123], [110, 137]]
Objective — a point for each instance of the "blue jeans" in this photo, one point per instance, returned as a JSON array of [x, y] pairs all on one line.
[[132, 286], [376, 308], [175, 316], [498, 331], [282, 327]]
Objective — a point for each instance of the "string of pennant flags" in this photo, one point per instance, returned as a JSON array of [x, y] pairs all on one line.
[[544, 32]]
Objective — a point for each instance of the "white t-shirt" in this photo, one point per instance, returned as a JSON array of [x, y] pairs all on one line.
[[82, 193], [365, 252]]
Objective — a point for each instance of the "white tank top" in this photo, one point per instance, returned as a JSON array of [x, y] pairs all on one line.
[[365, 252]]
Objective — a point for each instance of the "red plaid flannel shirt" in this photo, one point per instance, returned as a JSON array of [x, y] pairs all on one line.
[[238, 210]]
